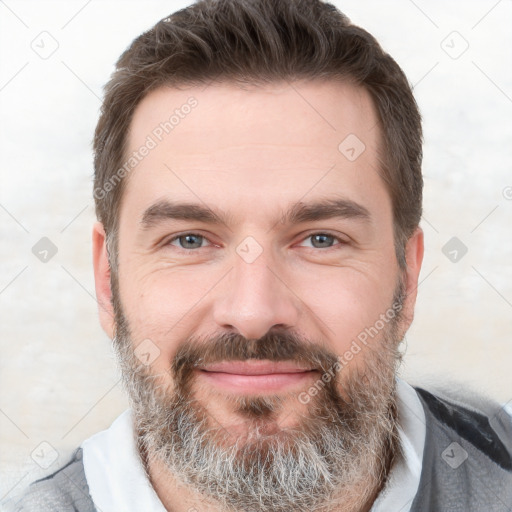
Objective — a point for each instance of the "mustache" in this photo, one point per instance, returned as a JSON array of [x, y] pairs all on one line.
[[273, 346]]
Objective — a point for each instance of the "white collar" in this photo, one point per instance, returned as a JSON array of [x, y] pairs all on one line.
[[117, 481], [115, 476], [404, 479]]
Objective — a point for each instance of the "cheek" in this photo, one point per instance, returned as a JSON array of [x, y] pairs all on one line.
[[346, 304], [161, 304]]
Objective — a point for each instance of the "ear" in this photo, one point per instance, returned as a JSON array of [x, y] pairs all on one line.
[[102, 279], [414, 257]]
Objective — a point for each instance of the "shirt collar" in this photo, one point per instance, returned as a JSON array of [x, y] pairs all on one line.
[[404, 478], [114, 471]]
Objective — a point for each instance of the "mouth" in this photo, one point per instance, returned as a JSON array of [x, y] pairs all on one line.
[[256, 376]]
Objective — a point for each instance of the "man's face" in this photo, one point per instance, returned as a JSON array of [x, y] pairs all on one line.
[[251, 155], [272, 260]]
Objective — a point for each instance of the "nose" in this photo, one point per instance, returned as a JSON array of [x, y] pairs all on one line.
[[255, 298]]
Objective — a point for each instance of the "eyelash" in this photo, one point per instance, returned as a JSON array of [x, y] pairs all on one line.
[[325, 249]]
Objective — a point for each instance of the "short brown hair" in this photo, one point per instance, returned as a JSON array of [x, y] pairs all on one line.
[[261, 41]]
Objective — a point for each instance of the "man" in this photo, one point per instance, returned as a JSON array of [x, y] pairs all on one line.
[[258, 189]]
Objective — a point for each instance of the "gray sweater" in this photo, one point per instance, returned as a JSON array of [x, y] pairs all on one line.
[[467, 465]]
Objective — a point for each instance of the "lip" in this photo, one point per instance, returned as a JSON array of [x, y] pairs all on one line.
[[255, 376]]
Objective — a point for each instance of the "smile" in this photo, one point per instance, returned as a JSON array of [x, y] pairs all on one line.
[[255, 376]]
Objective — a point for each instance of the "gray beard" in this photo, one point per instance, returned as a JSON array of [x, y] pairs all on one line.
[[337, 457]]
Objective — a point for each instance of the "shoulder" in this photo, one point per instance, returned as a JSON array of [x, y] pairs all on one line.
[[65, 490], [485, 424], [481, 421], [467, 460]]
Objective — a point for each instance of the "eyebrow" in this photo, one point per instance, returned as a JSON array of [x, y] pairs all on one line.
[[297, 213], [167, 210], [326, 209]]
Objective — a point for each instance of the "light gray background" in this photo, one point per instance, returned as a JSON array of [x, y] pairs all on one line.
[[58, 379]]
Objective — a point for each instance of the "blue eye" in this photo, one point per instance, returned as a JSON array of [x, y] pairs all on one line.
[[322, 240], [189, 241]]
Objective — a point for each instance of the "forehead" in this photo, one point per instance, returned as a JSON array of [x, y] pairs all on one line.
[[262, 142], [311, 112]]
